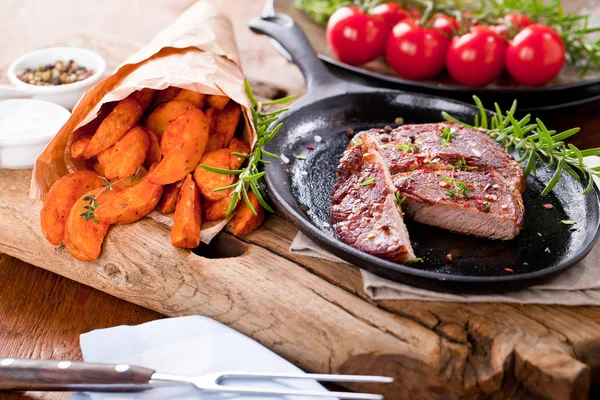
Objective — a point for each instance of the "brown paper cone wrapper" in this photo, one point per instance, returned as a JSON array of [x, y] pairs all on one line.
[[197, 52]]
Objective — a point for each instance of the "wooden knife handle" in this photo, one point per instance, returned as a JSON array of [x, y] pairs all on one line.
[[48, 375]]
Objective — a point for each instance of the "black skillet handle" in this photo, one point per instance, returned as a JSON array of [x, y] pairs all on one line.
[[283, 29]]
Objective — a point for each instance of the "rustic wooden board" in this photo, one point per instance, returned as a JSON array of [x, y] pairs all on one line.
[[314, 312]]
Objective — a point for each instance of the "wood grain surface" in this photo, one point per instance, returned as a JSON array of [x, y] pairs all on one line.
[[312, 312]]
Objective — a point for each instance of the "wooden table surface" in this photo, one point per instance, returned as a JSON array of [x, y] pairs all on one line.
[[438, 350]]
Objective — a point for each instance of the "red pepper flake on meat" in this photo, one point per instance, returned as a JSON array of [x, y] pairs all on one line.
[[509, 270], [548, 206], [310, 147]]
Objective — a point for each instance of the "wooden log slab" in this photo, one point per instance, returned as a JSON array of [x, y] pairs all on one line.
[[314, 312]]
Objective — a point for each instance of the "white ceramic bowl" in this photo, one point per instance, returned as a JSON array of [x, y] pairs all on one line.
[[26, 127], [64, 95]]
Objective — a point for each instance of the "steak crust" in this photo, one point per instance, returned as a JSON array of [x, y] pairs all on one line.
[[412, 147], [364, 212]]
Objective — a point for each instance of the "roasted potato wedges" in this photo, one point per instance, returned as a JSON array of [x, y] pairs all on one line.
[[168, 201], [121, 119], [130, 205], [126, 156], [165, 95], [144, 97], [182, 145], [154, 154], [216, 210], [241, 147], [208, 181], [78, 146], [227, 122], [197, 99], [216, 101], [83, 239], [188, 216], [245, 222], [60, 199], [163, 115]]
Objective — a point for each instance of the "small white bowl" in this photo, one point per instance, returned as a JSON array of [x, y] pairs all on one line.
[[26, 127], [65, 95]]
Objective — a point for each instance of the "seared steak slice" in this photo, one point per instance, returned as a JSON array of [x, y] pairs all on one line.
[[364, 212], [424, 146], [466, 202]]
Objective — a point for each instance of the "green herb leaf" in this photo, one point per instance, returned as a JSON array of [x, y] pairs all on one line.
[[568, 222]]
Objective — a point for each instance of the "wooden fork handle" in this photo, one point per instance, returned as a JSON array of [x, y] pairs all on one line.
[[48, 375]]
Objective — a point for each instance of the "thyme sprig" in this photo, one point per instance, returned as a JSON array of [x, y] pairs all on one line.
[[250, 176], [92, 199], [534, 142]]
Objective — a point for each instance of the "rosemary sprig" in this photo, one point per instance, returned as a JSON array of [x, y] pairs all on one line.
[[407, 147], [92, 199], [533, 143], [462, 166], [446, 137], [366, 181], [250, 176], [457, 187]]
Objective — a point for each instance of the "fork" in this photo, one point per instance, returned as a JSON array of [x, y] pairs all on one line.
[[47, 375]]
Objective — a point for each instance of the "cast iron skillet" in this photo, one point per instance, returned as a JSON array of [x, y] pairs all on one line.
[[300, 188]]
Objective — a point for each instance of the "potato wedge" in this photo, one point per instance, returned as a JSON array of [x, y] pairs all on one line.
[[60, 199], [78, 146], [83, 239], [245, 222], [144, 96], [182, 145], [216, 210], [163, 115], [188, 216], [154, 154], [168, 201], [197, 99], [216, 101], [227, 122], [99, 169], [211, 115], [121, 119], [130, 205], [237, 146], [215, 142], [208, 181], [165, 95], [126, 156]]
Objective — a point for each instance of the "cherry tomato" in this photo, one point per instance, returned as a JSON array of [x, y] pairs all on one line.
[[518, 20], [415, 52], [511, 24], [415, 13], [477, 57], [355, 37], [391, 13], [536, 55], [446, 25]]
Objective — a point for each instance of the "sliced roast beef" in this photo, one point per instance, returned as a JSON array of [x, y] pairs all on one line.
[[446, 146], [364, 210], [461, 201]]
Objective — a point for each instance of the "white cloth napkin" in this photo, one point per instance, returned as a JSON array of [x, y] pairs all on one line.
[[580, 285], [186, 346]]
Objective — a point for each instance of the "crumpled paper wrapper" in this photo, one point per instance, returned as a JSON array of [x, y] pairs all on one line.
[[197, 52]]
